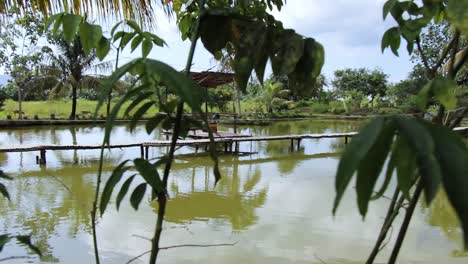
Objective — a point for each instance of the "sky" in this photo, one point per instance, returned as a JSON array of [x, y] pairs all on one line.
[[349, 30]]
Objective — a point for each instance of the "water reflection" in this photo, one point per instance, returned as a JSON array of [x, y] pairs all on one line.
[[277, 203]]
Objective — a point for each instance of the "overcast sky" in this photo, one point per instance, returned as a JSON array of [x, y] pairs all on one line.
[[349, 30]]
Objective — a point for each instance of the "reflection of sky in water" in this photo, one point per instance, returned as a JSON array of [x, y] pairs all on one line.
[[275, 204]]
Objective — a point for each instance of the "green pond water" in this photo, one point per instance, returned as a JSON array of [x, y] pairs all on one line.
[[274, 204]]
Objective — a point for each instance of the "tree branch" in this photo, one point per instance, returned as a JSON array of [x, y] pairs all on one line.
[[451, 73], [429, 71], [444, 54], [179, 246], [462, 59], [15, 257]]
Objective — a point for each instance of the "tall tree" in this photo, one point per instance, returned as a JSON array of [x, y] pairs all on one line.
[[69, 64], [20, 50], [370, 83]]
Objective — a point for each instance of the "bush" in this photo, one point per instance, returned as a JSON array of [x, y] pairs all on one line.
[[3, 96]]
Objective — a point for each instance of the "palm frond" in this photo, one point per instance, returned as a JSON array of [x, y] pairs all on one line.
[[139, 10]]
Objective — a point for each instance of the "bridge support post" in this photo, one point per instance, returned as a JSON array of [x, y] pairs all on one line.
[[142, 151], [292, 145], [146, 152], [43, 158], [298, 144], [346, 140]]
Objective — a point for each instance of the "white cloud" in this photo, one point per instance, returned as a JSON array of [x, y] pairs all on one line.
[[349, 30]]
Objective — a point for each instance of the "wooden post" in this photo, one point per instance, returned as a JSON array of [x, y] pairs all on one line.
[[235, 123], [146, 152], [346, 140], [196, 148], [37, 160], [225, 146], [298, 144], [142, 151], [292, 145], [43, 159]]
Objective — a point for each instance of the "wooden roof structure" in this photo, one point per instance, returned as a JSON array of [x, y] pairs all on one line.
[[210, 79]]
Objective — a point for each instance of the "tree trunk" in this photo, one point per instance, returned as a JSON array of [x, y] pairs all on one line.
[[73, 111], [238, 100], [20, 102]]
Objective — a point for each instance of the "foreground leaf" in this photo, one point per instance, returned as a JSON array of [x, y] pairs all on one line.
[[369, 169], [110, 185], [354, 154], [452, 154], [137, 195]]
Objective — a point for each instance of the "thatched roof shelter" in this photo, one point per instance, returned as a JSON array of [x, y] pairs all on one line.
[[211, 79]]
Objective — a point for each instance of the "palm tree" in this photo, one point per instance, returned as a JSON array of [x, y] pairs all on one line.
[[69, 64], [140, 10]]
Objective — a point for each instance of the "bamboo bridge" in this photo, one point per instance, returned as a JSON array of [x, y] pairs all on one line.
[[230, 141]]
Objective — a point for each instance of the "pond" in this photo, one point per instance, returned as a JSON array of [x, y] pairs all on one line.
[[274, 204]]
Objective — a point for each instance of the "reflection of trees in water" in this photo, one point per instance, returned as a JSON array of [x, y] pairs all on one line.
[[44, 200], [441, 214], [235, 198]]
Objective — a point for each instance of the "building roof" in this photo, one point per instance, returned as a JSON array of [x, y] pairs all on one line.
[[212, 79]]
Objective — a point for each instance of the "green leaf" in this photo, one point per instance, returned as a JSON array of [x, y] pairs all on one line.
[[3, 240], [443, 89], [286, 52], [405, 164], [215, 32], [308, 68], [115, 177], [4, 176], [133, 25], [57, 18], [157, 40], [457, 12], [90, 36], [26, 240], [103, 48], [137, 195], [118, 35], [136, 42], [4, 191], [114, 28], [391, 39], [369, 168], [136, 101], [452, 154], [422, 145], [139, 114], [178, 82], [108, 85], [123, 191], [354, 154], [388, 7], [149, 172], [153, 122], [388, 178], [70, 26], [146, 47], [126, 37]]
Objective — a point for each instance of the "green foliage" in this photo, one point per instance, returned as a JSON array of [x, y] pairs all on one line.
[[436, 153], [220, 97], [440, 88], [3, 96], [369, 83], [255, 41]]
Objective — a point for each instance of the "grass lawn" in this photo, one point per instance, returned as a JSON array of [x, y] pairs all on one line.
[[61, 108]]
